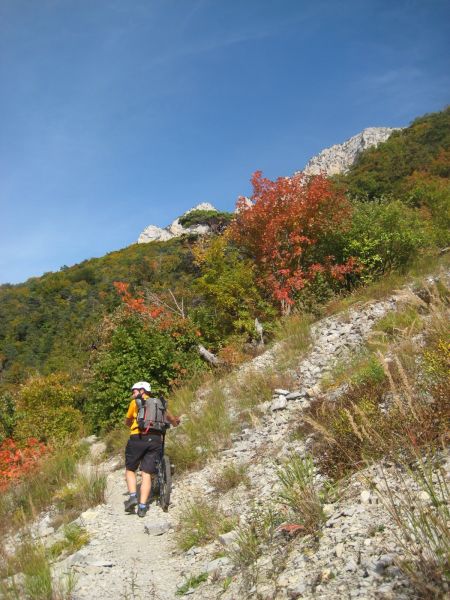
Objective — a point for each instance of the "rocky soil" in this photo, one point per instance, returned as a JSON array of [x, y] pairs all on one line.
[[131, 557]]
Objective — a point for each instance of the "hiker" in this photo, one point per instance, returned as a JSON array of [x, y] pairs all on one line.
[[144, 445]]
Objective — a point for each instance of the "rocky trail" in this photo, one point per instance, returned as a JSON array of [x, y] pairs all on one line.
[[131, 557]]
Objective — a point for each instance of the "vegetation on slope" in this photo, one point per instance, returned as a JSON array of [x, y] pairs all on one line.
[[141, 312]]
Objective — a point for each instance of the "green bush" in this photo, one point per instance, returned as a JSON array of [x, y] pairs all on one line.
[[45, 409], [138, 350], [384, 235], [228, 284], [7, 415]]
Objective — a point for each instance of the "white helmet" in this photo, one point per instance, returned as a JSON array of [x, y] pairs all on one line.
[[142, 385]]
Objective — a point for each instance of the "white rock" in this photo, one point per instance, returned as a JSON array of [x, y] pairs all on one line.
[[152, 233], [365, 496], [339, 550], [228, 538], [279, 404], [216, 565]]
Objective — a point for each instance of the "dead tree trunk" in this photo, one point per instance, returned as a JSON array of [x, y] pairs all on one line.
[[208, 356]]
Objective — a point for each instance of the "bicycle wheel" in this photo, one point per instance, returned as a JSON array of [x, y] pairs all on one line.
[[165, 483]]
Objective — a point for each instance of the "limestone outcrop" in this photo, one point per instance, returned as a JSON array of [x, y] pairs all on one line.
[[152, 233], [340, 157]]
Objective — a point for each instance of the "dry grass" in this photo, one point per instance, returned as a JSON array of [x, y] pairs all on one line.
[[201, 522], [418, 502], [300, 492], [360, 368], [87, 489], [294, 334], [29, 575], [24, 502], [230, 477], [409, 407], [204, 431], [380, 419]]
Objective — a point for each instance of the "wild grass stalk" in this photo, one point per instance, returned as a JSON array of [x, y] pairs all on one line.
[[418, 502], [201, 522], [300, 492]]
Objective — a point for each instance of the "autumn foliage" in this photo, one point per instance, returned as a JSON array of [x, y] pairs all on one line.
[[16, 462], [284, 228], [136, 303]]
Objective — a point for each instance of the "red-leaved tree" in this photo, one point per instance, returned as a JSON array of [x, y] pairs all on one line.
[[287, 228]]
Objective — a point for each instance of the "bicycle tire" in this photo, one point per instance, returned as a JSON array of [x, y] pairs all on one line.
[[165, 483]]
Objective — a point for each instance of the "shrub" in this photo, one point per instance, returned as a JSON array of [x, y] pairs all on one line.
[[216, 220], [49, 402], [139, 348], [7, 415], [372, 420], [227, 283], [17, 462], [36, 491], [289, 229], [384, 235]]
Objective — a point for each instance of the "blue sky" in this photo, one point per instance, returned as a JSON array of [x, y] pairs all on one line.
[[115, 114]]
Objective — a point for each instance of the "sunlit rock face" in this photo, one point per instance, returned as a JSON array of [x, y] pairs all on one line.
[[339, 158], [152, 233]]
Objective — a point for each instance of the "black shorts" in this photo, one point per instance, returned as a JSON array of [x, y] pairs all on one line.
[[144, 450]]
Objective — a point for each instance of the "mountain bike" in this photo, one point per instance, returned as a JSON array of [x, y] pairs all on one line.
[[162, 483]]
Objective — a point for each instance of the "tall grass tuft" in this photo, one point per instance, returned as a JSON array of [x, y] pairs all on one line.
[[200, 523], [231, 476], [23, 502], [30, 575], [301, 493], [86, 490], [419, 504]]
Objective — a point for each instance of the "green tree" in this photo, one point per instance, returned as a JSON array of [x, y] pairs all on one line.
[[138, 349], [227, 283], [384, 235], [46, 409]]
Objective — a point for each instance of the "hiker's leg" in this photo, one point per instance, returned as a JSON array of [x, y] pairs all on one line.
[[130, 476], [146, 485]]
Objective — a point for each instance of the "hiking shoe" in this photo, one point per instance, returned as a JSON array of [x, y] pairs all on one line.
[[130, 504], [142, 511]]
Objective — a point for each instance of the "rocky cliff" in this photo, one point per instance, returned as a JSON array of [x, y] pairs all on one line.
[[331, 161], [340, 157], [152, 233]]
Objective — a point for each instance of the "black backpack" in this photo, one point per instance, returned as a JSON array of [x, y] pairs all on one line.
[[151, 414]]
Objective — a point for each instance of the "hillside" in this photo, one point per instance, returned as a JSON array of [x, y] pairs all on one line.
[[311, 453], [37, 315], [49, 323], [418, 154], [255, 519]]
